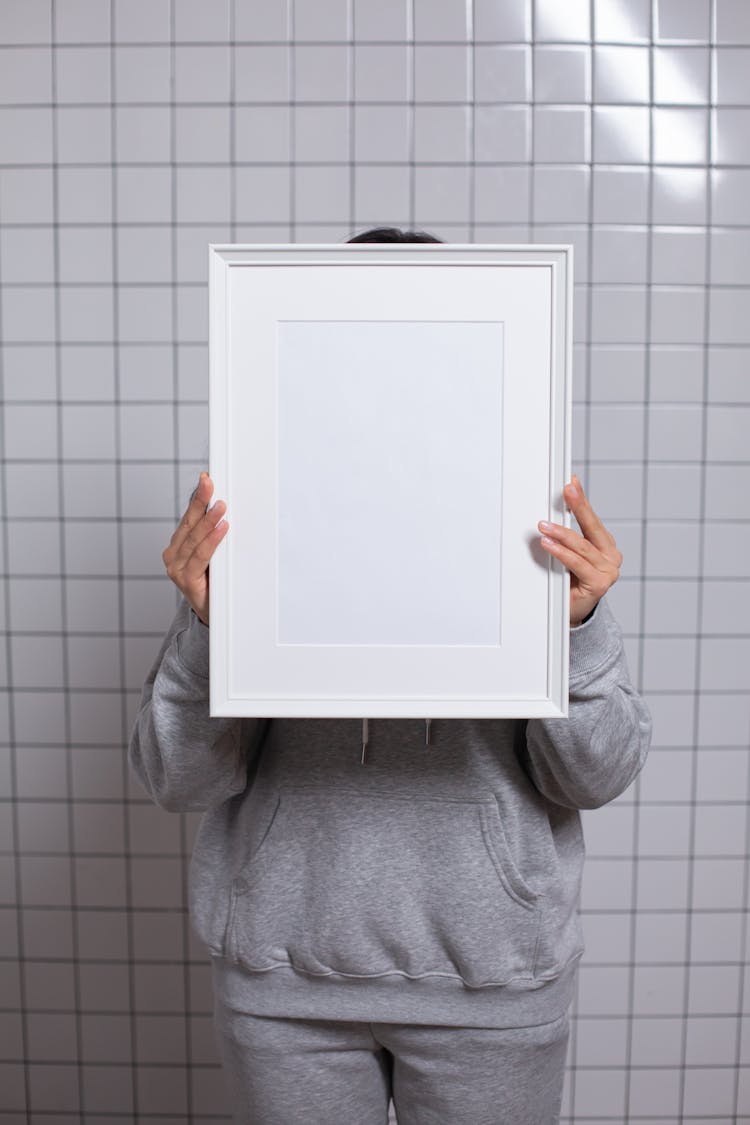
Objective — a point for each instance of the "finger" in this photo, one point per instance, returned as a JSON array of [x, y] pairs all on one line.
[[571, 539], [593, 579], [194, 512], [568, 537], [197, 534], [194, 570], [588, 521]]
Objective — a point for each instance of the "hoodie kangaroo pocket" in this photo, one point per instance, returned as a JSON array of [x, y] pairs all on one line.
[[366, 885]]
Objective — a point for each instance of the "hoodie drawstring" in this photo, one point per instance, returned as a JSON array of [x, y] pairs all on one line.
[[366, 736]]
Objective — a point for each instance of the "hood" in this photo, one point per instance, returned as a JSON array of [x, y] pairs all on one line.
[[366, 737]]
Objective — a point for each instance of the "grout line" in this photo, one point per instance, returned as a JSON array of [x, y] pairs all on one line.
[[690, 858], [232, 143], [586, 405], [120, 578], [20, 957], [65, 654], [601, 286], [640, 42], [292, 91], [639, 679], [470, 119], [178, 503], [411, 115], [351, 108]]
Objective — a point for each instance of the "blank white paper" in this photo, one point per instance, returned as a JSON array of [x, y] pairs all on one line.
[[389, 482]]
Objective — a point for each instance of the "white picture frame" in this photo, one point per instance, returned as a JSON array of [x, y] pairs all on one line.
[[387, 424]]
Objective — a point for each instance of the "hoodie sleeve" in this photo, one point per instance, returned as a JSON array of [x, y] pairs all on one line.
[[184, 759], [591, 757]]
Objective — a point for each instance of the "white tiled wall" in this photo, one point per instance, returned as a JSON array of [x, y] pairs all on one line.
[[134, 132]]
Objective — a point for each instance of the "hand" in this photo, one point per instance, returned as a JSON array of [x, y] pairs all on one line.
[[592, 558], [190, 549]]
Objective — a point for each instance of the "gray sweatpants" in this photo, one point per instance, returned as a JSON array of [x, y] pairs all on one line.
[[283, 1071]]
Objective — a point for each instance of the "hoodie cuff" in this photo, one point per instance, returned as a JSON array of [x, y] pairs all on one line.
[[591, 641], [192, 646]]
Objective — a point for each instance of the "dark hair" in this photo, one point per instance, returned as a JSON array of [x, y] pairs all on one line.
[[393, 234]]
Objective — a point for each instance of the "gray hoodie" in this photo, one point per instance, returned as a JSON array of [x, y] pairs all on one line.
[[435, 879]]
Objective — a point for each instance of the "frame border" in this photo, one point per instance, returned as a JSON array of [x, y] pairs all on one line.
[[222, 258]]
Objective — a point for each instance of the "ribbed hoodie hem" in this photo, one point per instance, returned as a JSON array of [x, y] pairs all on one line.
[[285, 992]]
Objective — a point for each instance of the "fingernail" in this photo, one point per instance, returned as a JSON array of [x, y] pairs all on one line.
[[545, 525], [573, 490]]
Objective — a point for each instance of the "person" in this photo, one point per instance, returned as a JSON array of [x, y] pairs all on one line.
[[407, 930]]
